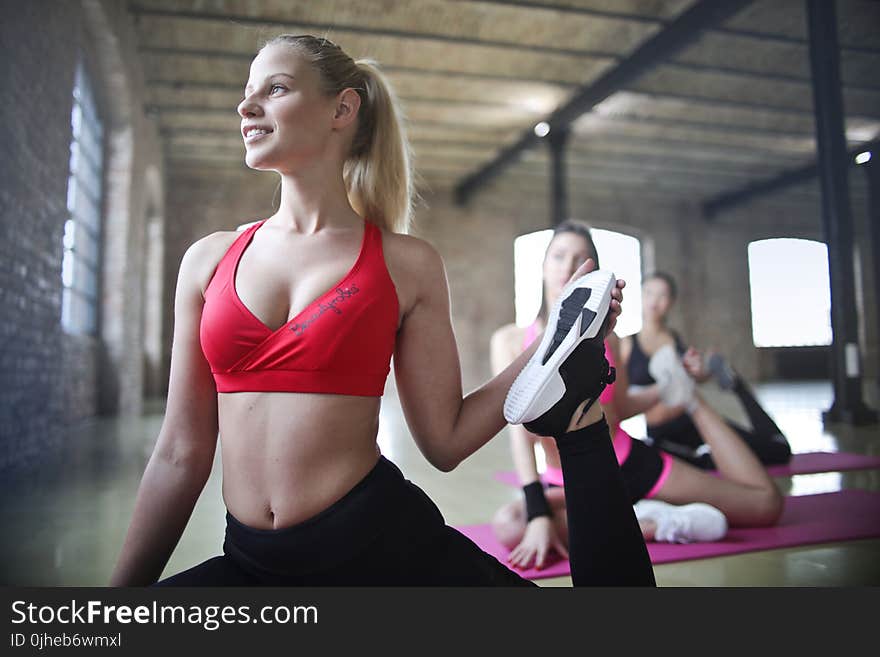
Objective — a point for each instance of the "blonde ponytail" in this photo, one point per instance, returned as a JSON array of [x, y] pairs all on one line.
[[378, 172]]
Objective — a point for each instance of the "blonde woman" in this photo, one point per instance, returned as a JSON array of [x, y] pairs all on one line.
[[282, 343]]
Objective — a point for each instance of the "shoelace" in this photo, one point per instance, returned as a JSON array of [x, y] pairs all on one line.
[[609, 377]]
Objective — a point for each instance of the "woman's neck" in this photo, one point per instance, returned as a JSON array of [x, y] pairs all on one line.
[[313, 199], [653, 326]]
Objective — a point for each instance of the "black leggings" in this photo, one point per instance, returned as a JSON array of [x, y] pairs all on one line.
[[387, 532], [681, 437]]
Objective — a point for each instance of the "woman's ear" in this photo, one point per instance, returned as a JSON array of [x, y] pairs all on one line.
[[348, 102]]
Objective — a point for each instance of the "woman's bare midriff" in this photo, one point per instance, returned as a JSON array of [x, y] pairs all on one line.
[[288, 456]]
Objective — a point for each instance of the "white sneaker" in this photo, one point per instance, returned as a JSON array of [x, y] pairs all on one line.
[[689, 523], [569, 365], [676, 385]]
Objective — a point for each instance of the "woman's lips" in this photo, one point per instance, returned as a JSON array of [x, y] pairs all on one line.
[[256, 136]]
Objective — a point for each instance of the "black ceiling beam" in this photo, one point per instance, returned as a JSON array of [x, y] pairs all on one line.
[[713, 206], [673, 38]]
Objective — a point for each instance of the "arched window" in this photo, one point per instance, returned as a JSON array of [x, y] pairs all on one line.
[[80, 265], [618, 252], [790, 292]]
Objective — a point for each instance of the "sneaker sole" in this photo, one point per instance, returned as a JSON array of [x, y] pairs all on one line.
[[539, 386]]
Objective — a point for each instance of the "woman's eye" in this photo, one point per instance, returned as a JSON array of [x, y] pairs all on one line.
[[274, 87]]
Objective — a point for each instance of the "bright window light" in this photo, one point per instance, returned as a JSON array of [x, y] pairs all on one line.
[[791, 293], [863, 157], [622, 254], [617, 252], [528, 255]]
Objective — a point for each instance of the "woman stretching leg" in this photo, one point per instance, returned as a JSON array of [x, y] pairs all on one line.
[[669, 427], [287, 363]]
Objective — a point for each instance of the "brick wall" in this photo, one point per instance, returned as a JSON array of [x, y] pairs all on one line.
[[52, 380], [35, 129]]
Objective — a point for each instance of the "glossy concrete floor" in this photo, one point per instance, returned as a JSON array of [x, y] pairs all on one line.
[[63, 524]]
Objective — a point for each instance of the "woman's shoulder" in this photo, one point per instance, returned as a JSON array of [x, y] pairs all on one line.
[[408, 248], [201, 258], [412, 260], [212, 246]]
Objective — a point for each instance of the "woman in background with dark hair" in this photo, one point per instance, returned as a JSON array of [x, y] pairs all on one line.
[[674, 501], [671, 427]]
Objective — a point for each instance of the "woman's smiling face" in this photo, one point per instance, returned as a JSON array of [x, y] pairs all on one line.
[[284, 98], [656, 299]]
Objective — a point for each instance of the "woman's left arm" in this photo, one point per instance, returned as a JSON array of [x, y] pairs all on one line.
[[629, 400], [446, 426]]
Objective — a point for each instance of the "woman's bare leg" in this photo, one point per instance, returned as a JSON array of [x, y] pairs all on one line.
[[733, 457], [744, 492]]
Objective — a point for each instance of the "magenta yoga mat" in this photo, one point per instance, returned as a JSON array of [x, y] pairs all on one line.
[[807, 463], [807, 519]]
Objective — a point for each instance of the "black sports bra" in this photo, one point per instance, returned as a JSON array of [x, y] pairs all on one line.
[[637, 366]]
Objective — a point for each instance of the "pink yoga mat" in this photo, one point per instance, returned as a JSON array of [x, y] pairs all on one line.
[[808, 463], [807, 519]]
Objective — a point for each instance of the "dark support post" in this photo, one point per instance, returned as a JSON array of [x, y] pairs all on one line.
[[557, 141], [872, 171], [833, 164]]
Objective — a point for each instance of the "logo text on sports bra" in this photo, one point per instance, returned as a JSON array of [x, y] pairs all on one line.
[[342, 293]]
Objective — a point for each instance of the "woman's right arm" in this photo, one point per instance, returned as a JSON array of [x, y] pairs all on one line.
[[184, 453]]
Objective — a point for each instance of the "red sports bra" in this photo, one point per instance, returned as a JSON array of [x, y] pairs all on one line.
[[341, 343]]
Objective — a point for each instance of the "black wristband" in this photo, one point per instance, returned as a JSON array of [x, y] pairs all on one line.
[[536, 502]]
